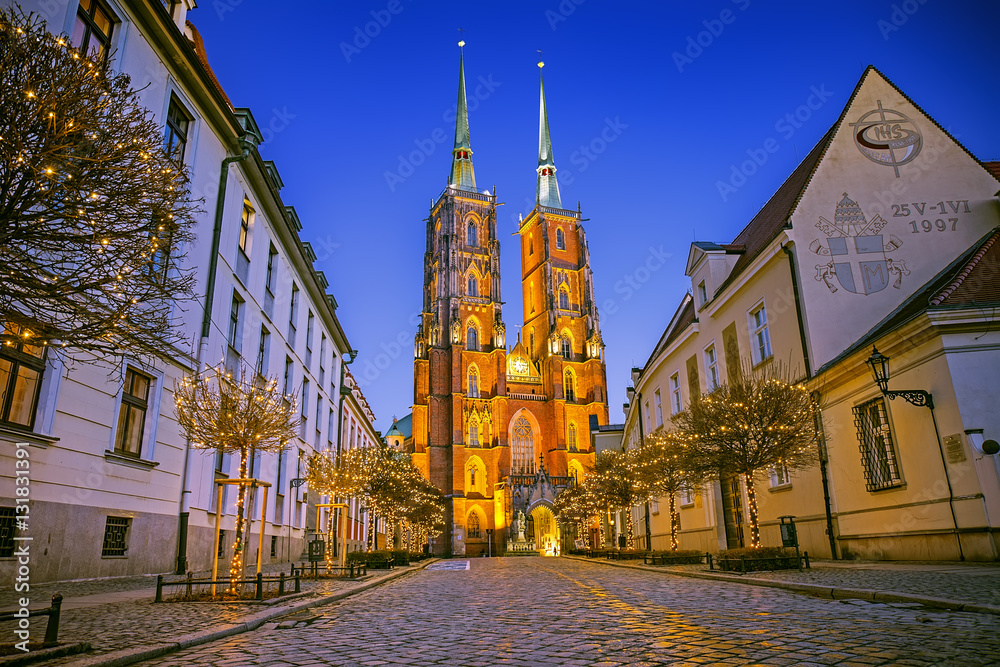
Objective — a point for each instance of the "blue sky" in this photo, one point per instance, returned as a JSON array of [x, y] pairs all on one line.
[[650, 105]]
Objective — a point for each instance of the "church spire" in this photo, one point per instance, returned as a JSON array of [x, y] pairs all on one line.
[[462, 175], [547, 189]]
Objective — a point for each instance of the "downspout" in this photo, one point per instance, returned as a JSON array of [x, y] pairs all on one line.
[[183, 517], [798, 311], [642, 443], [823, 460], [340, 426]]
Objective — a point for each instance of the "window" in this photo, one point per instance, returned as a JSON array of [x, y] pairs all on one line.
[[658, 406], [645, 412], [473, 382], [472, 338], [246, 220], [322, 358], [760, 339], [7, 524], [473, 286], [235, 312], [531, 296], [654, 506], [132, 414], [272, 258], [472, 235], [305, 399], [274, 546], [310, 326], [712, 367], [569, 386], [531, 244], [564, 298], [293, 313], [263, 351], [560, 240], [675, 393], [567, 347], [531, 339], [473, 435], [687, 495], [289, 375], [92, 30], [702, 294], [116, 536], [522, 447], [21, 368], [175, 133], [571, 437], [878, 455], [159, 259], [473, 529], [222, 544], [779, 476]]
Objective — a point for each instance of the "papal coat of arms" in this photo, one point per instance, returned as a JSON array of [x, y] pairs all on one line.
[[857, 251]]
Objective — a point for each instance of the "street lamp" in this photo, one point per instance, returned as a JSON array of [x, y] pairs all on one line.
[[879, 363]]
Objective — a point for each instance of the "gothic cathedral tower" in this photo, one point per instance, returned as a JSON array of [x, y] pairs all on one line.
[[501, 433]]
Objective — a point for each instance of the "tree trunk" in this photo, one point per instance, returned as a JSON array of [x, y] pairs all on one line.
[[752, 504], [629, 530], [673, 522], [236, 566]]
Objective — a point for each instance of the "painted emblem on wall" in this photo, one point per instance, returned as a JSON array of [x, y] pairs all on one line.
[[887, 137], [858, 251]]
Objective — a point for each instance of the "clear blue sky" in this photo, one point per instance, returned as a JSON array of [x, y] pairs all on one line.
[[343, 110]]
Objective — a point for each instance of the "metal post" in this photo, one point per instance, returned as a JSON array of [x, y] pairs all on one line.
[[159, 588], [281, 585], [218, 528], [260, 586], [190, 577], [263, 522], [52, 628]]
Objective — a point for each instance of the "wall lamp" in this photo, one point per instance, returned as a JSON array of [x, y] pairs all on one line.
[[879, 363]]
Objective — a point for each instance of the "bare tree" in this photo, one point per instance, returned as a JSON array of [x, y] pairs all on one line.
[[243, 416], [662, 466], [755, 422], [94, 214]]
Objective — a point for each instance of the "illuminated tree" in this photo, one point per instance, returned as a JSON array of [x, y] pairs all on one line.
[[614, 486], [94, 214], [662, 466], [580, 505], [755, 422], [244, 416]]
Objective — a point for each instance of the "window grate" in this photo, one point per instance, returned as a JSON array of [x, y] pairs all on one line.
[[7, 524], [878, 455], [116, 536]]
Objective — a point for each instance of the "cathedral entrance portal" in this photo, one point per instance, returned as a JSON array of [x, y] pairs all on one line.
[[546, 530]]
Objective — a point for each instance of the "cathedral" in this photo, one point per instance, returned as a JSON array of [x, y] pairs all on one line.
[[503, 430]]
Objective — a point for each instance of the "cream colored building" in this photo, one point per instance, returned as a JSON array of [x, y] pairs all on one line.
[[854, 249]]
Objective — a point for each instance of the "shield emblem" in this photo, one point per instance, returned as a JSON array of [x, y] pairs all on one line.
[[862, 267]]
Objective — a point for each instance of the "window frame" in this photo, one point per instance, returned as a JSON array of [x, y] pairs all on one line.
[[15, 355], [263, 351], [472, 382], [111, 547], [234, 334], [702, 294], [564, 301], [132, 403], [658, 407], [759, 333], [712, 376], [172, 129], [246, 224], [891, 472], [560, 239], [779, 476], [90, 27], [676, 398], [269, 277]]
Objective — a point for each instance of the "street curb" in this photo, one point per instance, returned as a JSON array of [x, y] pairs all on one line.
[[817, 590], [131, 656]]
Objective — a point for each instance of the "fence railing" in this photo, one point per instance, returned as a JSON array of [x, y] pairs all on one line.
[[313, 570], [259, 582], [51, 628]]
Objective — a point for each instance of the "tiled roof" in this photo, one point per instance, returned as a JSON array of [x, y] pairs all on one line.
[[976, 271], [199, 48], [405, 425], [993, 168], [979, 279]]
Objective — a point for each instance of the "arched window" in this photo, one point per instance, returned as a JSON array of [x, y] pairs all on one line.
[[564, 298], [473, 434], [567, 347], [571, 437], [472, 338], [472, 236], [576, 472], [531, 244], [472, 528], [473, 286], [523, 448], [560, 240], [569, 386], [473, 382]]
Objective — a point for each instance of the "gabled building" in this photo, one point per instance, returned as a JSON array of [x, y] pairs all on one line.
[[501, 432], [854, 249]]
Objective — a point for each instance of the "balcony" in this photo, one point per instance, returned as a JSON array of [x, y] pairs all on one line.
[[526, 397]]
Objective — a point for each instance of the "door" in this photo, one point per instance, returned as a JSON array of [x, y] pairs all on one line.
[[732, 511]]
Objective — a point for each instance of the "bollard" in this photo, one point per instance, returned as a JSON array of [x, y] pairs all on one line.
[[260, 586], [281, 585], [708, 559], [297, 589], [52, 628], [190, 577], [807, 559], [743, 564], [159, 588]]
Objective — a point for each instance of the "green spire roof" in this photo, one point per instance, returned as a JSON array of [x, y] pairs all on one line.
[[462, 174], [547, 188]]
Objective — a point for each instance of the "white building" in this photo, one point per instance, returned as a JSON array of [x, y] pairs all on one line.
[[115, 489]]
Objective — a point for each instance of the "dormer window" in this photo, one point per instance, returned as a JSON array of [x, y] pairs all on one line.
[[702, 294]]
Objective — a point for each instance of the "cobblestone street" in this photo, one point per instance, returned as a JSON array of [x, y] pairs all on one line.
[[534, 611]]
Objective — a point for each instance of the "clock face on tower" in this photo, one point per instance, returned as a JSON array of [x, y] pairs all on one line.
[[520, 365]]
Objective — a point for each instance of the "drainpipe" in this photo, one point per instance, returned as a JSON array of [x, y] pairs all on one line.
[[798, 311], [642, 442], [823, 460], [340, 426], [248, 145]]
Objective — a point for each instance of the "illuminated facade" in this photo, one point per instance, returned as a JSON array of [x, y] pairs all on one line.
[[501, 431]]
